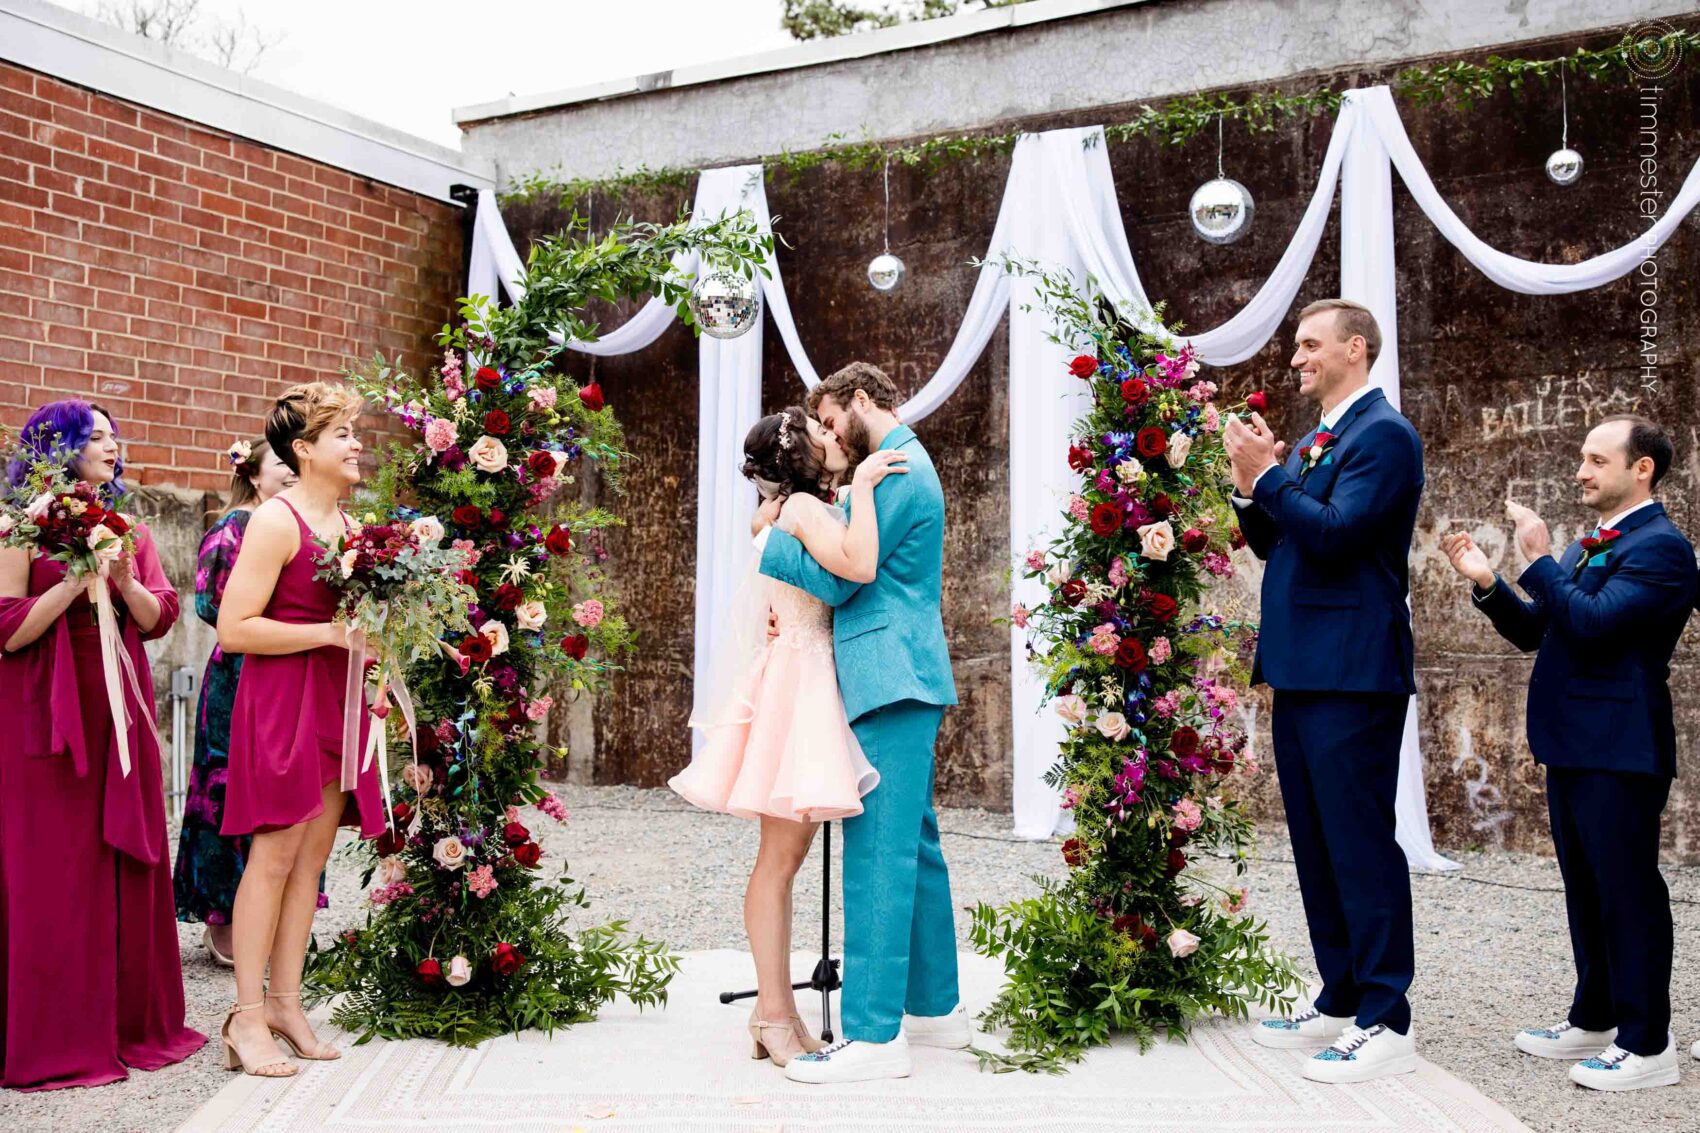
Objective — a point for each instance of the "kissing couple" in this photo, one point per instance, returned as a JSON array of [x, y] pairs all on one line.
[[835, 716]]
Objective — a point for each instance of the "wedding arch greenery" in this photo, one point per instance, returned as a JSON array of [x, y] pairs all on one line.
[[468, 935]]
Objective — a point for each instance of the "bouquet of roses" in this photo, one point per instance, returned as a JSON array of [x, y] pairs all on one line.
[[401, 592], [64, 519]]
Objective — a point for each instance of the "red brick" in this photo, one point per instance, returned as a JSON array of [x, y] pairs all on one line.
[[22, 149], [56, 356], [112, 196], [74, 294], [77, 165], [62, 94], [58, 269], [102, 150], [75, 206], [74, 337], [60, 138], [178, 151], [107, 237], [16, 78], [111, 110]]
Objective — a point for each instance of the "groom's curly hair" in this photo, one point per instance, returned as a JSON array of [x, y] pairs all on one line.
[[781, 459]]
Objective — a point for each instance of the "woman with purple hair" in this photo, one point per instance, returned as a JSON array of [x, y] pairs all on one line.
[[85, 993]]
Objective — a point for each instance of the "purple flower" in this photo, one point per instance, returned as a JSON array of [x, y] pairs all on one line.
[[452, 459]]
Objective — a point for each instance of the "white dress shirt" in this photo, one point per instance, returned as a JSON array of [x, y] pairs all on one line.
[[1329, 420]]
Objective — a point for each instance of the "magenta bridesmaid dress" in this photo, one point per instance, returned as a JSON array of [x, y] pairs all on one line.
[[286, 724], [90, 980]]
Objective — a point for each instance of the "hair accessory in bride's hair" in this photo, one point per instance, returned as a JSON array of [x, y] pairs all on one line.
[[785, 439]]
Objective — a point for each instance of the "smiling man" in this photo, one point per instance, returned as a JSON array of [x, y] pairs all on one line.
[[1605, 618], [1333, 524]]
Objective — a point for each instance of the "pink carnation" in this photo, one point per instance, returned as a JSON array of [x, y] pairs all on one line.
[[1224, 696], [1212, 419], [388, 893], [1077, 508], [439, 434], [1118, 572], [588, 613], [1035, 560], [1071, 797], [553, 807], [1236, 900], [539, 708], [1218, 564], [1167, 704], [1187, 815], [1159, 651], [1020, 615], [482, 881], [470, 549], [542, 397], [1104, 640]]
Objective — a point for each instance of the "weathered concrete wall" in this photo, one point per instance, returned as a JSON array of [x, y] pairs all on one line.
[[1500, 386]]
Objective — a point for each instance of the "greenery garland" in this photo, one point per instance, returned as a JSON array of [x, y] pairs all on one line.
[[1136, 940], [1174, 122], [468, 937]]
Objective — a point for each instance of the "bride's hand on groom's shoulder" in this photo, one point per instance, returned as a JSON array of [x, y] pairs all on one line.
[[878, 466]]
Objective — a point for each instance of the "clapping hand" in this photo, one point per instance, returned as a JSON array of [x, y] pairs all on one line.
[[1467, 558], [1251, 449], [1533, 538]]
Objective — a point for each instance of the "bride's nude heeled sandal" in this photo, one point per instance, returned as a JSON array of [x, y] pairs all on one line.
[[233, 1060], [777, 1041], [321, 1055]]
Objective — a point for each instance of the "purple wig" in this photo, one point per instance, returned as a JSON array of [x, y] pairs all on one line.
[[65, 426]]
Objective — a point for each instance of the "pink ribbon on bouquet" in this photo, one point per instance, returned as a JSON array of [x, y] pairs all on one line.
[[114, 660], [354, 762]]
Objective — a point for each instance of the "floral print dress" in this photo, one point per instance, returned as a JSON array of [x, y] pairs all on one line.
[[209, 865]]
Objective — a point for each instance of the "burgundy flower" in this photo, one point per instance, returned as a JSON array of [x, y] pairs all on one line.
[[1083, 366], [1073, 852], [1257, 401], [559, 540], [1194, 540], [486, 379], [1130, 654], [541, 463], [476, 648], [1184, 741], [1074, 591], [1162, 506], [1162, 607], [591, 397], [506, 959], [515, 834], [1135, 391], [508, 596], [466, 515], [1176, 863], [1106, 520], [430, 972], [1236, 539], [528, 855], [497, 423], [1079, 457], [575, 646], [1151, 441]]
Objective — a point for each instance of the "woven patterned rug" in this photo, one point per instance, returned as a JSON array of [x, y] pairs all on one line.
[[687, 1069]]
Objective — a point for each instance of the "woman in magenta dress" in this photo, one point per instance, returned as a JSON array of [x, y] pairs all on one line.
[[90, 981], [285, 780]]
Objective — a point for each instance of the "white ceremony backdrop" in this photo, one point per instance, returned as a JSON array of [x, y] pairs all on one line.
[[1060, 208]]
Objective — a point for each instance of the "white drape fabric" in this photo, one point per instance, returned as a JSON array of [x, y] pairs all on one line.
[[1060, 207]]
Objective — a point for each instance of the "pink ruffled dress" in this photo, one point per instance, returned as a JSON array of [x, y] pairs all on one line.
[[780, 745]]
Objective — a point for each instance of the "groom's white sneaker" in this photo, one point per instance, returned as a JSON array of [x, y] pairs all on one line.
[[1362, 1055], [1309, 1028], [1616, 1069], [851, 1061], [1563, 1040], [951, 1032]]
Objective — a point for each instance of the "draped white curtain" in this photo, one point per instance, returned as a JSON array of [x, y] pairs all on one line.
[[1060, 207]]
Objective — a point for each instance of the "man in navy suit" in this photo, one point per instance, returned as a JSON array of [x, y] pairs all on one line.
[[1333, 524], [1603, 620]]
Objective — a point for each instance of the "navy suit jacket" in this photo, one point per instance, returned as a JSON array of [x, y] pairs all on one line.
[[1336, 541], [1599, 697]]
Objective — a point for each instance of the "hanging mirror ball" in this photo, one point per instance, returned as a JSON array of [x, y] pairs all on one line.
[[725, 304], [886, 271], [1564, 166], [1221, 210]]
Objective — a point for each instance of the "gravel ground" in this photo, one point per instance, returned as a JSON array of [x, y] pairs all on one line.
[[1492, 953]]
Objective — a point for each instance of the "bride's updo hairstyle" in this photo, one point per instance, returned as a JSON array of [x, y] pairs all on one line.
[[780, 458]]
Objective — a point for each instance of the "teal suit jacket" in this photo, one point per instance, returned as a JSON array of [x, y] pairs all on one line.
[[888, 634]]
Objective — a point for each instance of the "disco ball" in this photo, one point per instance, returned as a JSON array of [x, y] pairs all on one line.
[[1221, 210], [725, 304], [886, 272], [1564, 166]]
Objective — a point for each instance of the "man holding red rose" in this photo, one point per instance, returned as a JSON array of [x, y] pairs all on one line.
[[1333, 524]]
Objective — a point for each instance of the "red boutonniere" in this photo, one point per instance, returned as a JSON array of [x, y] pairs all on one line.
[[1591, 543], [1318, 449]]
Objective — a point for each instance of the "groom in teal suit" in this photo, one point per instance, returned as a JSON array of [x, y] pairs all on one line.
[[894, 673]]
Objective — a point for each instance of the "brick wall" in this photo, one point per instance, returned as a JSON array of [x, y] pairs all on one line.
[[183, 277]]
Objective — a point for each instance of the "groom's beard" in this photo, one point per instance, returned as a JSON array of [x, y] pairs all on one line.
[[855, 441]]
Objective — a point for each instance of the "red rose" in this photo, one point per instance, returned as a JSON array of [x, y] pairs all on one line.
[[528, 855], [476, 649], [1162, 505], [1073, 852], [542, 464], [559, 540], [468, 577], [506, 959], [1178, 837], [1130, 654], [1257, 402], [497, 422], [466, 515], [486, 379], [1177, 862], [1194, 540], [1074, 591], [1106, 520], [591, 397], [116, 523], [575, 646], [388, 843], [401, 812], [1079, 457], [498, 517], [1127, 923], [1151, 442], [1236, 539], [508, 596], [515, 834], [1163, 607], [1184, 742], [1134, 391], [430, 972], [1083, 366]]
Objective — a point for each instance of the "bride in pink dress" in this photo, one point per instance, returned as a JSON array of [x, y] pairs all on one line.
[[777, 746]]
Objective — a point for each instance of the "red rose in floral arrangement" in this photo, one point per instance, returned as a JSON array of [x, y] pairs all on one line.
[[477, 648], [1151, 442], [559, 540], [1073, 852], [389, 843], [466, 515], [1079, 457], [497, 422], [486, 379], [1162, 505], [542, 464], [528, 855], [1130, 654], [1194, 540], [1177, 862], [508, 596], [1106, 520], [1184, 741], [591, 397], [506, 959], [1083, 366], [1257, 401], [1163, 607], [401, 812], [115, 523], [469, 577], [515, 834], [1073, 591], [430, 972], [497, 517], [575, 646], [1135, 391]]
